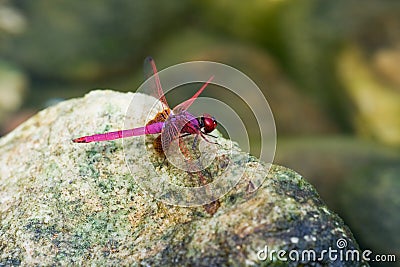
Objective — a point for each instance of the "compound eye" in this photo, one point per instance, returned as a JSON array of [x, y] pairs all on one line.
[[209, 123]]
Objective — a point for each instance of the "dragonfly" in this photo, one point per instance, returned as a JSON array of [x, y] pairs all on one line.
[[174, 124]]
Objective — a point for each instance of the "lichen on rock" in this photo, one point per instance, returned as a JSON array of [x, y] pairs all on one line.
[[63, 203]]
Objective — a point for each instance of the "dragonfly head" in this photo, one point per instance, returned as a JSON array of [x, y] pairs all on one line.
[[208, 123]]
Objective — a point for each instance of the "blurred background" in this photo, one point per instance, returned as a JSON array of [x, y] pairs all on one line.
[[330, 71]]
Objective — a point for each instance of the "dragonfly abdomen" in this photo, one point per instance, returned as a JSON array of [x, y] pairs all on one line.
[[149, 129]]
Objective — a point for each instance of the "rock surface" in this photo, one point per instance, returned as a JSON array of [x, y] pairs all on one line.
[[64, 203], [350, 174]]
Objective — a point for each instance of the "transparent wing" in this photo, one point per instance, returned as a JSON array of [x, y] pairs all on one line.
[[151, 74], [185, 105]]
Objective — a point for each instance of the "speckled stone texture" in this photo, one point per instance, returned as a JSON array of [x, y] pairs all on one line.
[[63, 203]]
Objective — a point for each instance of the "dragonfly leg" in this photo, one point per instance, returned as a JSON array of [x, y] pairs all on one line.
[[184, 135], [205, 138], [211, 135]]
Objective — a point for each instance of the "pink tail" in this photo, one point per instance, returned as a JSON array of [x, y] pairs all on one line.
[[149, 129], [110, 136]]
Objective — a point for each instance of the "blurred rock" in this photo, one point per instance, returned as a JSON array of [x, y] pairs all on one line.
[[13, 87], [64, 203], [11, 21], [90, 39], [357, 179], [377, 103], [368, 67], [302, 36], [386, 63], [370, 204], [294, 112], [15, 119]]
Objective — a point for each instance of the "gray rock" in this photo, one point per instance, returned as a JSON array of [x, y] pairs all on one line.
[[64, 203]]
